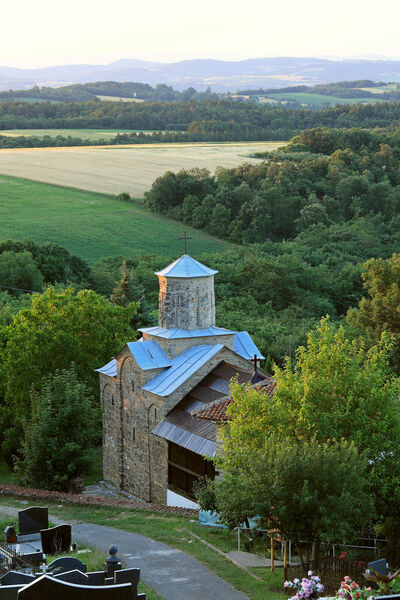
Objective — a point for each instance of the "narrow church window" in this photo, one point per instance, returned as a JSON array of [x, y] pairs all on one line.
[[133, 386], [155, 413], [112, 400], [133, 434]]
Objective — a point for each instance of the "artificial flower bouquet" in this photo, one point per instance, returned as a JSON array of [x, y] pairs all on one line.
[[306, 588], [350, 590]]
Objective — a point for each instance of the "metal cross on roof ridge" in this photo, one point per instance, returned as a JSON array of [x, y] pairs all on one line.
[[254, 360], [185, 237]]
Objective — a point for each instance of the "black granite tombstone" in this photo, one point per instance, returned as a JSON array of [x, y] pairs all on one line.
[[33, 558], [33, 519], [16, 578], [50, 588], [66, 563], [131, 576], [74, 576], [96, 578], [9, 592], [56, 539]]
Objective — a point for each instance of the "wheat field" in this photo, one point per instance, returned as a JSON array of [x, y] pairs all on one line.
[[116, 169]]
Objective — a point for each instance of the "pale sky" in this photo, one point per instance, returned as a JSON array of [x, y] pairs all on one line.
[[35, 33]]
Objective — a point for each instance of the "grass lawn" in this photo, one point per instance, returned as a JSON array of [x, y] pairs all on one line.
[[170, 531], [87, 134], [319, 99], [91, 225]]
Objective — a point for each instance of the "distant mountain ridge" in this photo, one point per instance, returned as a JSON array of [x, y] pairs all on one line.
[[220, 75]]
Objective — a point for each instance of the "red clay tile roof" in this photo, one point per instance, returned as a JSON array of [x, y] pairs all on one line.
[[216, 411]]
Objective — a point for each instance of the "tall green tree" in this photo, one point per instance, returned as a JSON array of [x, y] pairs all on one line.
[[379, 310], [57, 444], [337, 390], [310, 492], [61, 327]]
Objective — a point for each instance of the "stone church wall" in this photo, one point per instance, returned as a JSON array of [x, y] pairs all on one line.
[[111, 411], [134, 460], [173, 347], [186, 303]]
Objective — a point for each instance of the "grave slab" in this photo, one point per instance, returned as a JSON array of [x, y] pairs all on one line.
[[66, 563], [74, 576], [56, 539], [49, 588], [33, 519], [16, 578]]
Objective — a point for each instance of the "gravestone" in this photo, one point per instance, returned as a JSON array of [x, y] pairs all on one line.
[[96, 578], [33, 519], [33, 558], [50, 588], [10, 534], [380, 566], [131, 576], [16, 578], [9, 592], [56, 539], [74, 576], [66, 563]]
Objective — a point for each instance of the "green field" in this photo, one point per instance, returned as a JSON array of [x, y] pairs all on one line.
[[319, 99], [89, 134], [89, 224]]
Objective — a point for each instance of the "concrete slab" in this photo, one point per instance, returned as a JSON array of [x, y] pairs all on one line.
[[247, 559]]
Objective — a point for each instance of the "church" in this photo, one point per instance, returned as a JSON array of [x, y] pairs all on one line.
[[153, 447]]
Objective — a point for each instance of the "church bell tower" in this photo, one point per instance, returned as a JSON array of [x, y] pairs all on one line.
[[186, 297]]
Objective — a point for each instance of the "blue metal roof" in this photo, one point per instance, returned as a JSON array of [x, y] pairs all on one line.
[[183, 366], [185, 333], [244, 345], [186, 266], [109, 369], [149, 355]]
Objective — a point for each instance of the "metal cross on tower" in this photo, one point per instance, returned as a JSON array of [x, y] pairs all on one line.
[[185, 238], [254, 360]]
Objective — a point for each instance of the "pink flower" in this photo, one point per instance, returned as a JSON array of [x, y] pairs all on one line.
[[354, 585], [346, 578]]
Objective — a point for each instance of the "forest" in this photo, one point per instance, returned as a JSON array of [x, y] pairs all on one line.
[[211, 120], [314, 231]]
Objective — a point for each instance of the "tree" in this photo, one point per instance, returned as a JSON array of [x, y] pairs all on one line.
[[60, 328], [58, 438], [128, 293], [379, 311], [337, 390], [18, 270], [308, 491]]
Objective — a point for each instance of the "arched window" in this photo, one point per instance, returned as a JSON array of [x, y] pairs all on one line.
[[155, 413], [112, 400]]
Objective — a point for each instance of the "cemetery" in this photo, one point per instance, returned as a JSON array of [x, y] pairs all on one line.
[[24, 572]]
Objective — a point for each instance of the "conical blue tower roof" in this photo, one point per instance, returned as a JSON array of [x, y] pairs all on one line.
[[186, 266]]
